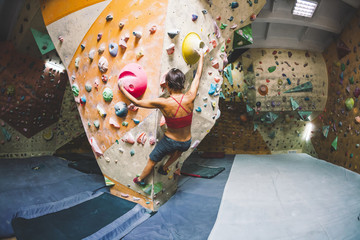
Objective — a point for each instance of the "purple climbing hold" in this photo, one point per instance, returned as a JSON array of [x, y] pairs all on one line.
[[356, 92], [194, 17]]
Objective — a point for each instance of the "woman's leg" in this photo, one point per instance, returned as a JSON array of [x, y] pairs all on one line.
[[173, 157], [147, 170]]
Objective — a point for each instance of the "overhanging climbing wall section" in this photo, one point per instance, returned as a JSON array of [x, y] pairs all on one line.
[[150, 34]]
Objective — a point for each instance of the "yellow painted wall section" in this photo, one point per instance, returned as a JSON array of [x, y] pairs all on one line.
[[137, 17], [53, 10]]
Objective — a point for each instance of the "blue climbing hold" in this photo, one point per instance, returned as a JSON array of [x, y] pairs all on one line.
[[212, 89], [288, 81], [113, 49], [198, 109]]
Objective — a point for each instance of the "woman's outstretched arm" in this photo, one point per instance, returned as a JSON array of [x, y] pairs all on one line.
[[145, 103], [196, 81]]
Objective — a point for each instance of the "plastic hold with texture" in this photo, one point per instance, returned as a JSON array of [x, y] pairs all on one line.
[[95, 147], [134, 79], [121, 109], [128, 138], [191, 43], [103, 64]]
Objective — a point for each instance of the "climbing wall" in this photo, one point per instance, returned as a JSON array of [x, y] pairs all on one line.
[[34, 100], [111, 34], [278, 92], [336, 136]]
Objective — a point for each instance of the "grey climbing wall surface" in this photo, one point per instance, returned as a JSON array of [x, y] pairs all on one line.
[[336, 136], [151, 34]]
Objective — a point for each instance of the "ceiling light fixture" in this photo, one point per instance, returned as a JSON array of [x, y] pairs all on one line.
[[304, 8]]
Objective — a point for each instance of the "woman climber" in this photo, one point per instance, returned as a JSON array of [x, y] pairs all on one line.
[[177, 110]]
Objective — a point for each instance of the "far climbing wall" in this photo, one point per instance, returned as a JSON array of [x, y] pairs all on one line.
[[96, 40], [38, 114], [282, 90], [336, 136]]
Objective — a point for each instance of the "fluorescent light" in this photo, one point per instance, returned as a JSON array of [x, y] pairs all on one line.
[[304, 8], [307, 132]]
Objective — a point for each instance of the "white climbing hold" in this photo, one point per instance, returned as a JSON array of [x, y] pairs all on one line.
[[136, 198], [123, 44], [101, 48], [139, 54], [91, 54], [77, 62], [137, 34], [107, 159], [103, 64], [121, 25], [113, 123], [128, 138], [170, 49], [121, 150], [195, 144], [95, 147], [124, 195], [101, 110]]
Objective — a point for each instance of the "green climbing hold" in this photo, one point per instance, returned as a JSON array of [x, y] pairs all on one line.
[[108, 95], [271, 69], [108, 182], [351, 155], [223, 26], [349, 103], [124, 123], [269, 117], [243, 37], [304, 115], [351, 80], [228, 74], [325, 131], [249, 110], [334, 143], [75, 89], [305, 87], [294, 104], [342, 67], [132, 152]]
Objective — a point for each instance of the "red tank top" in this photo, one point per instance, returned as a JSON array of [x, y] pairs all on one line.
[[179, 122]]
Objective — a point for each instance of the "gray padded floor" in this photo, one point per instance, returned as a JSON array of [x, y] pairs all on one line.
[[288, 196]]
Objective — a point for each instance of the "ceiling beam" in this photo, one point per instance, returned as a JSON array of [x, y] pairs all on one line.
[[285, 43], [285, 17], [267, 31], [353, 3]]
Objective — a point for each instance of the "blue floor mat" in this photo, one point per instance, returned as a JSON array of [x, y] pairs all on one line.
[[37, 180], [83, 216], [192, 211]]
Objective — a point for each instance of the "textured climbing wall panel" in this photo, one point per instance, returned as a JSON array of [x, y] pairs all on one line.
[[343, 70], [70, 14], [47, 141], [234, 132], [257, 86], [291, 69], [34, 100], [31, 92], [139, 29]]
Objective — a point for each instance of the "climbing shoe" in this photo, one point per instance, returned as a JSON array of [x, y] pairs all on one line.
[[140, 183], [162, 171]]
